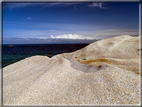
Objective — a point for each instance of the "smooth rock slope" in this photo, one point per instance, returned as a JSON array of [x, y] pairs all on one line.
[[122, 51], [100, 73]]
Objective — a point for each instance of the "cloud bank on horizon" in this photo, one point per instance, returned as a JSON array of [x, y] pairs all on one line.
[[67, 36], [49, 40]]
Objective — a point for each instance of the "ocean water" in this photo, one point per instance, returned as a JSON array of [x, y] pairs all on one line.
[[18, 52]]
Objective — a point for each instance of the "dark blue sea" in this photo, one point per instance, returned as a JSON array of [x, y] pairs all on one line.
[[14, 53]]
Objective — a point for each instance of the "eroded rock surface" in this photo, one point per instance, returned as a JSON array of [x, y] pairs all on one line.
[[96, 74]]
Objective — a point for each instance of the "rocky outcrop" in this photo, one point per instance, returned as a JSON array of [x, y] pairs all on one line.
[[97, 74]]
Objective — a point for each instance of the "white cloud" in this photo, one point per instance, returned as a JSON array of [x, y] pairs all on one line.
[[71, 36], [29, 18], [96, 5], [40, 38], [67, 36]]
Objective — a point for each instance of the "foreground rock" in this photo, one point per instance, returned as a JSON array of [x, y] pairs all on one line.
[[96, 74]]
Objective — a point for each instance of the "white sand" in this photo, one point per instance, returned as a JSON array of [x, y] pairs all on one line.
[[64, 80]]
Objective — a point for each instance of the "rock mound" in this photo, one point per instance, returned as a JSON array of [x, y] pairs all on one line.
[[82, 77], [122, 48]]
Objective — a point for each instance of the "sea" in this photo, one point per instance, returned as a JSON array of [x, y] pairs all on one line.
[[15, 52]]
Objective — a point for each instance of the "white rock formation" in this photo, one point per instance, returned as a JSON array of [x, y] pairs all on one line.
[[104, 72]]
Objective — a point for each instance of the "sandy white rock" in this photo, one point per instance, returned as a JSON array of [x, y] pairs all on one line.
[[63, 79]]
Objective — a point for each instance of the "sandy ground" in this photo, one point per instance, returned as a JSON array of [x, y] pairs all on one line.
[[104, 72]]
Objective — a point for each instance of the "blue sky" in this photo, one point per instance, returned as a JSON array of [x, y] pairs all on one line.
[[23, 22]]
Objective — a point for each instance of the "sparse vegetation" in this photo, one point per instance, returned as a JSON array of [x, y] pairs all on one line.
[[95, 60], [134, 69], [138, 73]]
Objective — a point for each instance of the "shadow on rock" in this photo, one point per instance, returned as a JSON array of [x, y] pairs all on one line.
[[87, 68]]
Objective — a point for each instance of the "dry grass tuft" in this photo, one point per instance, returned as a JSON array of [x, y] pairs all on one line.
[[96, 60], [134, 69], [138, 73]]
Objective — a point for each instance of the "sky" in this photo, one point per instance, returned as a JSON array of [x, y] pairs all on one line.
[[25, 23]]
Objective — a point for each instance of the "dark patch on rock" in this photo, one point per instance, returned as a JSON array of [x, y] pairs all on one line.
[[87, 68]]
